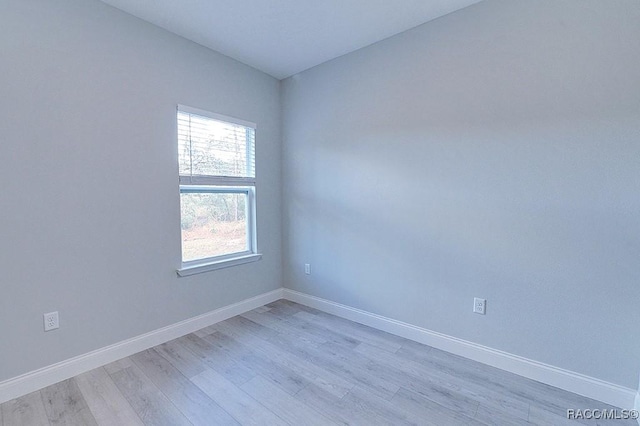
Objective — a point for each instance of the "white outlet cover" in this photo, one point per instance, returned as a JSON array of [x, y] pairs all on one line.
[[51, 321], [479, 305], [307, 269]]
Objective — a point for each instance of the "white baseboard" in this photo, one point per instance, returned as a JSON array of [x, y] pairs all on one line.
[[55, 373], [610, 393], [591, 387]]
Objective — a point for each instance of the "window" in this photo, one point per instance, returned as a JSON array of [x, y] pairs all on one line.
[[216, 156]]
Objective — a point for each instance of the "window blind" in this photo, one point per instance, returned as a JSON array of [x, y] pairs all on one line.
[[214, 148]]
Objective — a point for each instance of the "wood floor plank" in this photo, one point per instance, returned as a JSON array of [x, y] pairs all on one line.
[[287, 379], [335, 408], [106, 402], [323, 378], [28, 410], [364, 372], [235, 401], [181, 358], [296, 324], [542, 417], [490, 380], [430, 412], [346, 366], [419, 380], [384, 365], [118, 365], [326, 355], [65, 405], [268, 320], [194, 404], [449, 389], [255, 329], [554, 408], [333, 321], [358, 407], [382, 409], [554, 400], [283, 308], [320, 327], [413, 377], [298, 306], [151, 405], [491, 416], [350, 329], [287, 407], [205, 331], [450, 366], [217, 360], [496, 381]]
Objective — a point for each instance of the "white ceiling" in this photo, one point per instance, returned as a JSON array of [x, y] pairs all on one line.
[[284, 37]]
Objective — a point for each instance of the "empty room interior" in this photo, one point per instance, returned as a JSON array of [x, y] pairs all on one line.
[[317, 213]]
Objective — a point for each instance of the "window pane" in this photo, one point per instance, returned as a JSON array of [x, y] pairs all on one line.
[[212, 147], [213, 224]]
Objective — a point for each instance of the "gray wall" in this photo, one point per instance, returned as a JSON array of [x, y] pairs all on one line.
[[89, 205], [493, 152]]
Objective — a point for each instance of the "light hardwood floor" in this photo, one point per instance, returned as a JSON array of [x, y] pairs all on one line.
[[286, 364]]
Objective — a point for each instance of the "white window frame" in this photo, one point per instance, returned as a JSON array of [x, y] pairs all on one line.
[[199, 184]]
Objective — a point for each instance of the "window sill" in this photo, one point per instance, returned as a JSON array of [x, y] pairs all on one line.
[[212, 266]]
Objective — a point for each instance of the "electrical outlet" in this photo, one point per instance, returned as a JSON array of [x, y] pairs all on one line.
[[51, 321], [307, 269], [479, 306]]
